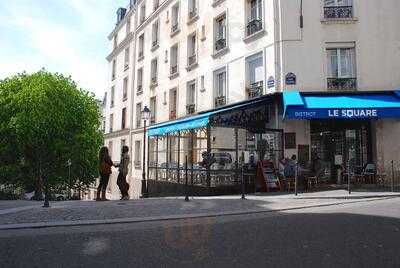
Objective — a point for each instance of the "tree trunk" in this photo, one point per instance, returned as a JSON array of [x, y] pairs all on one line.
[[38, 189]]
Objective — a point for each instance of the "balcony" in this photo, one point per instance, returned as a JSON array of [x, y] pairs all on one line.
[[190, 108], [220, 44], [126, 66], [174, 69], [342, 83], [141, 55], [154, 81], [154, 43], [139, 89], [192, 60], [192, 13], [172, 115], [338, 12], [174, 28], [255, 90], [254, 26], [220, 101]]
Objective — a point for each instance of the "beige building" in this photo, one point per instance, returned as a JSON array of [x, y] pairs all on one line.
[[183, 57]]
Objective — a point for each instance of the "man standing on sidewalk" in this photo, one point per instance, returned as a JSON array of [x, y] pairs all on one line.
[[123, 172]]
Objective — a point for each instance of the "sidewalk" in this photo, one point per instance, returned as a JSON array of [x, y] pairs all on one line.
[[71, 213]]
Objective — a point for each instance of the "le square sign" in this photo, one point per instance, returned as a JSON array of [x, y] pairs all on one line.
[[337, 113]]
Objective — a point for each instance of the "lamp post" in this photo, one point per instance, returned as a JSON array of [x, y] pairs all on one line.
[[69, 163], [145, 115]]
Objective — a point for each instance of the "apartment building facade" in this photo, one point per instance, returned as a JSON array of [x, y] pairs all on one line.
[[186, 57]]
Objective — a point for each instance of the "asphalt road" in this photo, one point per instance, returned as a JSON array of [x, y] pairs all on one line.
[[363, 234]]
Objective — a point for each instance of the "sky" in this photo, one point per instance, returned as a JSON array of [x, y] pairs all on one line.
[[65, 36]]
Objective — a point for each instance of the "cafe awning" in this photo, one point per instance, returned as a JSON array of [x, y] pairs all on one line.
[[237, 115], [346, 105]]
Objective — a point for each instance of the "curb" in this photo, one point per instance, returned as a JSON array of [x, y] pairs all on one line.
[[349, 197], [40, 225]]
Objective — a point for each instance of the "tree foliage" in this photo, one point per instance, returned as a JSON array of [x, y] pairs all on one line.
[[45, 120]]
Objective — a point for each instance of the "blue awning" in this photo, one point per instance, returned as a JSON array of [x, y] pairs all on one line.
[[197, 121], [358, 105]]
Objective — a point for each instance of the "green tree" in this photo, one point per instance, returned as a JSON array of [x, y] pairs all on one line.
[[46, 120]]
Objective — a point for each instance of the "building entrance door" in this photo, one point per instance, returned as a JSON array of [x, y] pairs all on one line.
[[341, 143]]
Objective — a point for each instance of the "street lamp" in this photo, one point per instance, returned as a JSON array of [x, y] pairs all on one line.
[[145, 115]]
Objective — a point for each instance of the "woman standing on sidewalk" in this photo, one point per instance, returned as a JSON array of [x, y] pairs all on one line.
[[123, 172], [105, 165]]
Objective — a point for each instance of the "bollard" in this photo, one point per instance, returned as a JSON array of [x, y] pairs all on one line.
[[186, 180], [295, 179], [348, 177], [243, 185], [392, 183]]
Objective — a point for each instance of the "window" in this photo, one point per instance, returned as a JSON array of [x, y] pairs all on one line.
[[174, 60], [123, 119], [341, 69], [111, 122], [220, 87], [123, 143], [126, 64], [114, 66], [128, 26], [172, 103], [220, 33], [338, 9], [155, 33], [141, 47], [255, 75], [139, 81], [153, 109], [191, 97], [105, 99], [143, 13], [110, 149], [156, 4], [202, 85], [255, 17], [192, 9], [138, 115], [175, 18], [192, 49], [138, 152], [115, 41], [154, 72], [103, 125], [125, 89], [112, 96]]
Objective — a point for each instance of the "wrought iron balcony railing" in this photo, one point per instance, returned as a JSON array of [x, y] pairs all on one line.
[[174, 27], [139, 89], [154, 79], [342, 83], [190, 108], [155, 43], [220, 101], [192, 13], [338, 12], [192, 59], [255, 89], [220, 43], [172, 115], [174, 69], [253, 26]]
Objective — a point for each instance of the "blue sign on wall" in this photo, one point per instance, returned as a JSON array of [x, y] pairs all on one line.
[[304, 113], [271, 82], [290, 79]]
